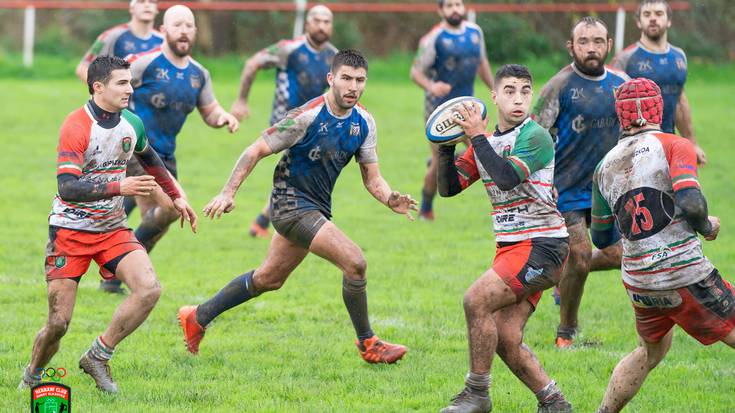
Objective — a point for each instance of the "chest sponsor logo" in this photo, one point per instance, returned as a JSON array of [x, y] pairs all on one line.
[[577, 93], [354, 129], [162, 74], [158, 100], [195, 81], [315, 153], [644, 66], [126, 144], [323, 127], [655, 299], [578, 124]]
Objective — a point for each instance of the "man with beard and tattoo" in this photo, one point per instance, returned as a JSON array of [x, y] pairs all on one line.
[[168, 85], [448, 59], [653, 57], [87, 221], [646, 190], [136, 36], [301, 66], [578, 106], [318, 140], [516, 166]]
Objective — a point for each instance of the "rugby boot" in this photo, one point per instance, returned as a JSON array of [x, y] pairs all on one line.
[[565, 337], [375, 350], [112, 287], [256, 231], [555, 404], [100, 372], [468, 401], [29, 379], [426, 215], [193, 332]]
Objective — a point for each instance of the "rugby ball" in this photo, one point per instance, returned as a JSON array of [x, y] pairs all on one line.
[[441, 128]]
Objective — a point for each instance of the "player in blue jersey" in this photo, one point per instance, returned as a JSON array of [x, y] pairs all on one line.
[[448, 59], [133, 37], [577, 105], [318, 140], [301, 66], [169, 85], [653, 57]]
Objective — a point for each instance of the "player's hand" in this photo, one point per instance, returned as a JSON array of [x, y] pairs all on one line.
[[402, 204], [469, 117], [187, 213], [715, 228], [701, 156], [439, 89], [138, 185], [240, 109], [228, 119], [220, 204]]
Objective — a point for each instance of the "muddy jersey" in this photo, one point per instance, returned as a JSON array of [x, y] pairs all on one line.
[[301, 72], [120, 41], [634, 188], [316, 145], [668, 69], [165, 95], [579, 110], [95, 154], [451, 56], [528, 210]]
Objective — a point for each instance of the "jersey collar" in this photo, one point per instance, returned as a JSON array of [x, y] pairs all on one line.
[[505, 132], [668, 48], [107, 120]]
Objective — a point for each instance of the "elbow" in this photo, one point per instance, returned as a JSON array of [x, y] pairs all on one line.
[[66, 194], [505, 186]]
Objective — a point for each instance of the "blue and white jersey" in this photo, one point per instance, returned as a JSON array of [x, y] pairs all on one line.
[[316, 145], [451, 56], [668, 69], [301, 72], [579, 110], [165, 95], [119, 41]]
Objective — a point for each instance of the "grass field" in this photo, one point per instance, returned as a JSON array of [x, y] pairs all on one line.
[[292, 350]]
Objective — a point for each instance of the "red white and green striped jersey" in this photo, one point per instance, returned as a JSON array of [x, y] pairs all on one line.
[[528, 210], [634, 186], [97, 155]]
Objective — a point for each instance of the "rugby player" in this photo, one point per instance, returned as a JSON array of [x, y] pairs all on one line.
[[653, 57], [578, 106], [646, 190], [448, 59], [301, 66], [318, 140], [516, 165], [87, 220], [133, 37]]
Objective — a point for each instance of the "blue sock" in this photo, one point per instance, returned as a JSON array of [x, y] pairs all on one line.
[[234, 293]]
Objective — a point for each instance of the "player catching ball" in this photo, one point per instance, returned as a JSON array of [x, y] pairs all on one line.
[[516, 165]]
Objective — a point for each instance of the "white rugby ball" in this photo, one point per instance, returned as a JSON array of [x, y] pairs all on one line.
[[441, 128]]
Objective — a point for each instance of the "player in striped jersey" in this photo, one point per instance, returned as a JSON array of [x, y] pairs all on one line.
[[318, 140], [133, 37], [516, 166], [646, 190], [87, 220]]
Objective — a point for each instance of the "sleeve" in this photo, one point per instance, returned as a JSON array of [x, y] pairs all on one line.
[[289, 131], [682, 161], [141, 140], [206, 94], [467, 168], [368, 151], [275, 55], [483, 47], [138, 64], [602, 216], [103, 45], [532, 152], [426, 54], [73, 142], [547, 106]]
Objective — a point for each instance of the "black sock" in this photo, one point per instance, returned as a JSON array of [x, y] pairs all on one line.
[[129, 204], [234, 293], [355, 298], [149, 231], [262, 221]]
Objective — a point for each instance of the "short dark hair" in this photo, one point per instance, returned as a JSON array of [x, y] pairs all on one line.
[[513, 70], [101, 69], [349, 57], [669, 12], [588, 21]]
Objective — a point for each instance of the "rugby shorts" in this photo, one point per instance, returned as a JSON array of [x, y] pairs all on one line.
[[300, 228]]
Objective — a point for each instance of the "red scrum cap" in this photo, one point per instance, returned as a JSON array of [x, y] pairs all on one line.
[[638, 102]]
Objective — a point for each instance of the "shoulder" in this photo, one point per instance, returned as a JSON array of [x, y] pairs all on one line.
[[365, 114], [678, 51], [133, 119], [114, 32], [617, 74], [158, 35], [560, 79], [330, 48], [199, 67], [473, 27], [537, 133], [669, 140], [78, 118], [622, 57], [145, 58], [432, 34]]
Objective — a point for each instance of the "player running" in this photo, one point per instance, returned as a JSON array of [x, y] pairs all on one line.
[[87, 220], [134, 37], [516, 165], [578, 106], [653, 57], [318, 140], [448, 59], [646, 189], [301, 66]]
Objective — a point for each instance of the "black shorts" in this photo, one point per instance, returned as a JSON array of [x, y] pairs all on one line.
[[135, 168], [300, 228]]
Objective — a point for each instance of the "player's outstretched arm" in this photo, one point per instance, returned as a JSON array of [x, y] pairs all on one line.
[[380, 190], [683, 121], [216, 116], [224, 202]]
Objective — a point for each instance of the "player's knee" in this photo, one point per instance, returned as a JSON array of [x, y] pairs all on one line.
[[57, 326], [356, 267], [579, 259], [265, 280], [149, 295]]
